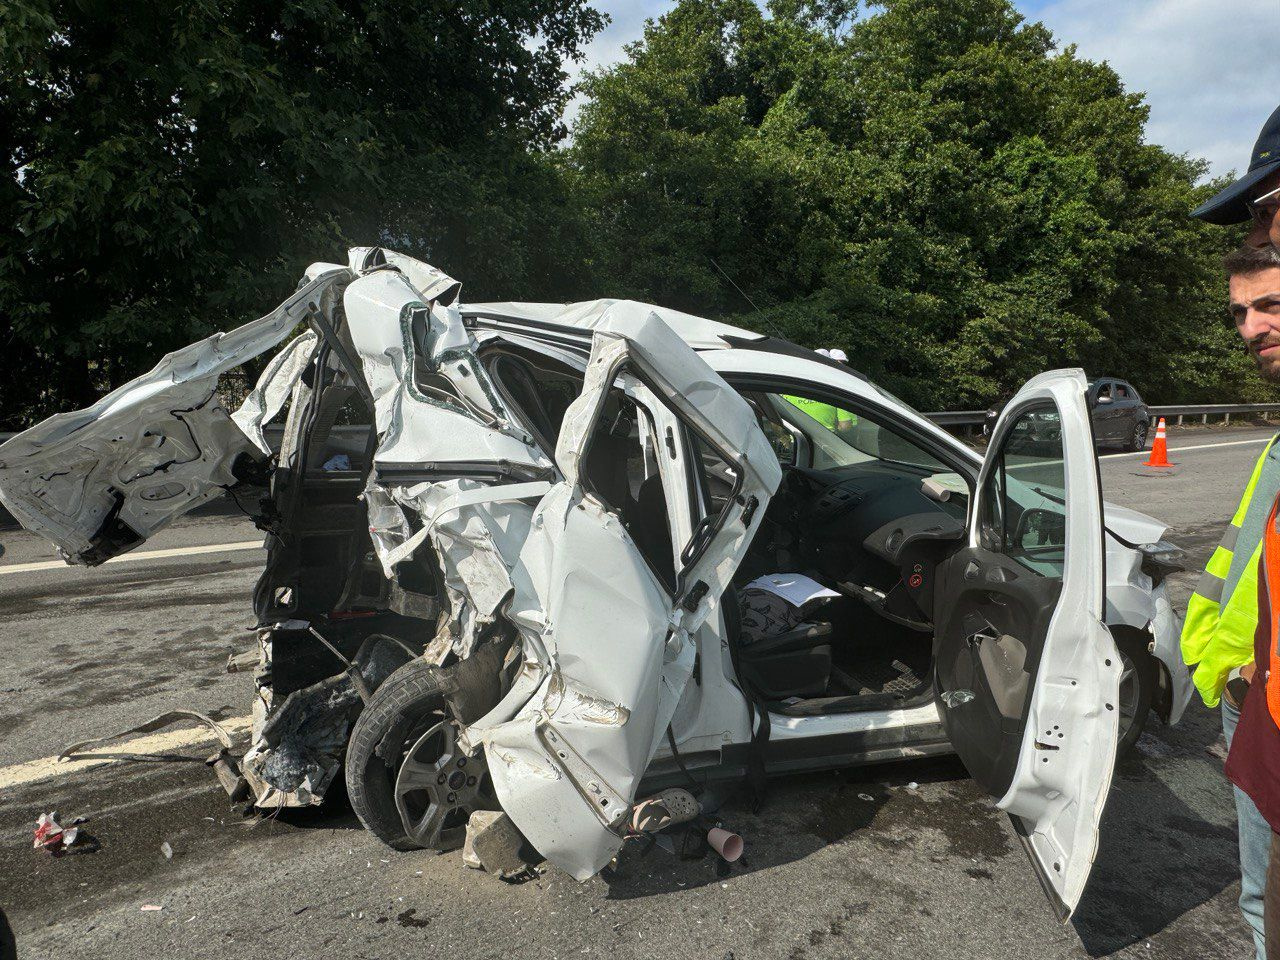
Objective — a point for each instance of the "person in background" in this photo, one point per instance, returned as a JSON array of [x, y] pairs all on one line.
[[1220, 615], [1218, 636], [834, 419]]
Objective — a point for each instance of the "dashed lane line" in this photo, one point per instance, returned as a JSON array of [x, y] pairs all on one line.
[[1195, 446], [166, 741], [138, 555]]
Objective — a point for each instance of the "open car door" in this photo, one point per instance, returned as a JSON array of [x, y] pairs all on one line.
[[97, 482], [619, 569], [1027, 673]]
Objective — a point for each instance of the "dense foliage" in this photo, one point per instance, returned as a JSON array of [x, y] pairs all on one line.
[[932, 185], [173, 167], [934, 188]]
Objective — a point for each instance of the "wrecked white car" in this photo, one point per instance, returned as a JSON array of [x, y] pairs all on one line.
[[551, 558]]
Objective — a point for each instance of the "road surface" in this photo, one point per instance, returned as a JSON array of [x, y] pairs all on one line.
[[907, 860]]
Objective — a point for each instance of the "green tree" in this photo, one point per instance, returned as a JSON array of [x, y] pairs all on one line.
[[935, 187], [173, 167]]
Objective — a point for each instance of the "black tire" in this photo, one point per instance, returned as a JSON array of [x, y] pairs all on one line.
[[408, 702], [1137, 690], [1138, 438]]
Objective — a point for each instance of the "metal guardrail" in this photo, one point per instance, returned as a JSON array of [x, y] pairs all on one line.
[[975, 418], [1177, 412]]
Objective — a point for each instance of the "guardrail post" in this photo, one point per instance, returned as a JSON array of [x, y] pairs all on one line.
[[1179, 419], [1204, 418], [1227, 418]]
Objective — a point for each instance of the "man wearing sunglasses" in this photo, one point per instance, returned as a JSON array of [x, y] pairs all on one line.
[[1224, 614], [1256, 195]]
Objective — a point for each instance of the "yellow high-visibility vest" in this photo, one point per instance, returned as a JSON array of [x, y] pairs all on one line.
[[829, 416], [1217, 634]]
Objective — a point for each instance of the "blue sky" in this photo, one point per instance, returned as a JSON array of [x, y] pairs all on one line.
[[1210, 68]]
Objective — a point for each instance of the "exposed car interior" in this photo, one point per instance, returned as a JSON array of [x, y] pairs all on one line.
[[320, 565], [852, 515], [863, 516]]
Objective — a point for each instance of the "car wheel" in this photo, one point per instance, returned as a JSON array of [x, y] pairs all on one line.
[[1137, 690], [409, 784], [1138, 438]]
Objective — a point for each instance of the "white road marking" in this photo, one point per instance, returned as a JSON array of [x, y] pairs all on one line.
[[139, 555], [1197, 446], [165, 741]]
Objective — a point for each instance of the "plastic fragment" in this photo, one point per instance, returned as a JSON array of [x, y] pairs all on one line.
[[54, 837], [167, 850]]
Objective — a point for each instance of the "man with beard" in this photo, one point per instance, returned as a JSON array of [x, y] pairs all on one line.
[[1229, 609], [1223, 614]]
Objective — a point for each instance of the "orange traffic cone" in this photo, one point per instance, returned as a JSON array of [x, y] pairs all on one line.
[[1159, 449]]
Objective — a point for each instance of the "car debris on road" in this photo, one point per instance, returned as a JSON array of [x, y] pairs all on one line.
[[57, 839], [512, 547]]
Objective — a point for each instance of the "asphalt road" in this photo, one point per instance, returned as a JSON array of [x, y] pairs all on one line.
[[907, 860]]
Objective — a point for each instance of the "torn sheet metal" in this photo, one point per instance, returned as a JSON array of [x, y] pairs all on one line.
[[607, 649], [433, 402], [99, 481], [299, 747], [474, 529], [274, 387], [445, 439]]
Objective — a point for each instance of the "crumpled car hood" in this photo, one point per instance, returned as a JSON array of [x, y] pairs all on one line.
[[1135, 526]]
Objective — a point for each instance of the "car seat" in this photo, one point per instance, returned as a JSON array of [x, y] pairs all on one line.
[[794, 662]]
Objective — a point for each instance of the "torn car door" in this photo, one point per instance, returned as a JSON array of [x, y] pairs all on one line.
[[99, 481], [607, 634], [1027, 673]]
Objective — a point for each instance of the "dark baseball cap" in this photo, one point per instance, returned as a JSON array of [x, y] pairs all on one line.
[[1229, 205]]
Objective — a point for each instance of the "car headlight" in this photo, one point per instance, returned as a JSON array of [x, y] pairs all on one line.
[[1162, 558]]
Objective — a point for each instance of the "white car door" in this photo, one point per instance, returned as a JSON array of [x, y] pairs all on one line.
[[608, 635], [99, 481], [1027, 673]]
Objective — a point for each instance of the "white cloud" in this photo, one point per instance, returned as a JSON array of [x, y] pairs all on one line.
[[1209, 67], [626, 23]]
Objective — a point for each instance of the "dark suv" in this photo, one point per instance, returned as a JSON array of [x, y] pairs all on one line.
[[1120, 417]]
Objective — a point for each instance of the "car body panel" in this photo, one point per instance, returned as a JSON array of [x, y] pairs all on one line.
[[1064, 766], [99, 481], [608, 651]]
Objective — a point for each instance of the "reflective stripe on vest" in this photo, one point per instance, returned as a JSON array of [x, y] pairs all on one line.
[[1217, 633]]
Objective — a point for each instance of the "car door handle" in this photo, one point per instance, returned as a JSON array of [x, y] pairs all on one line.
[[986, 633]]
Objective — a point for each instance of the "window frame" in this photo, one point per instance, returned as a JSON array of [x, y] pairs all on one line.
[[901, 426], [980, 505]]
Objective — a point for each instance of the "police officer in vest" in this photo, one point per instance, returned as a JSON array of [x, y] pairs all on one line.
[[1222, 615]]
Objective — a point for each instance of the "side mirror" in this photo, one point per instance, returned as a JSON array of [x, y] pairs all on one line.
[[1038, 529], [782, 437]]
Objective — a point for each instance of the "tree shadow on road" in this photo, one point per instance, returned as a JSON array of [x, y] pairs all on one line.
[[8, 943], [803, 814], [1159, 859]]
